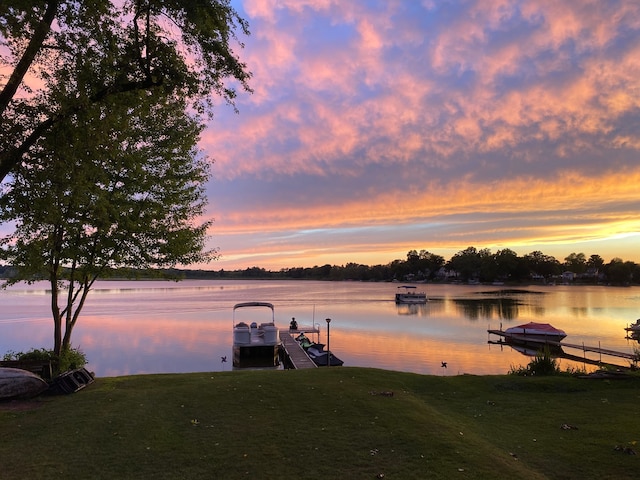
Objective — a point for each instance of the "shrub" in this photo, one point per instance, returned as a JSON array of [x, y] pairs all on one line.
[[542, 364], [35, 354], [70, 358]]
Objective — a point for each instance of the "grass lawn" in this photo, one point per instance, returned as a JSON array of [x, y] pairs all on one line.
[[336, 423]]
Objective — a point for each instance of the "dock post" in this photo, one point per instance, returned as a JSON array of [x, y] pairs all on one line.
[[328, 344], [600, 351]]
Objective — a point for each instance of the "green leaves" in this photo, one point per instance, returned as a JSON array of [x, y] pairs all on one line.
[[117, 184], [83, 54]]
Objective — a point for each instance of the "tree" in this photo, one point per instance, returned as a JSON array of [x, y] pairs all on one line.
[[576, 263], [509, 265], [132, 45], [412, 259], [119, 183], [487, 267], [540, 264], [430, 263], [466, 263], [620, 272], [595, 263]]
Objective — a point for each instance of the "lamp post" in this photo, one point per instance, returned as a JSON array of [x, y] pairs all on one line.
[[328, 344]]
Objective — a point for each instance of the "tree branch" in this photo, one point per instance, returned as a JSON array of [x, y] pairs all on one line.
[[35, 44], [11, 157]]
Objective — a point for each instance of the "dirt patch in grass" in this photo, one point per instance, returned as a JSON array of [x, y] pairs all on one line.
[[20, 405]]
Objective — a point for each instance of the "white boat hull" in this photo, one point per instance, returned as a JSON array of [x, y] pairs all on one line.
[[411, 298], [409, 294], [17, 383], [534, 338]]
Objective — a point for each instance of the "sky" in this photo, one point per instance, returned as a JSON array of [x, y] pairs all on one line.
[[379, 127], [376, 127]]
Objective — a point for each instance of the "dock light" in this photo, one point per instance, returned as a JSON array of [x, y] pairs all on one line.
[[328, 344]]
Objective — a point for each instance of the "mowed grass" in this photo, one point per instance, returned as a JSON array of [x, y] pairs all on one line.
[[337, 423]]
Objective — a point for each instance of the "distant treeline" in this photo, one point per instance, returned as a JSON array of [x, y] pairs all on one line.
[[468, 265]]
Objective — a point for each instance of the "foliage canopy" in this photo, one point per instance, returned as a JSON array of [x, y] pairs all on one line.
[[102, 49], [119, 183]]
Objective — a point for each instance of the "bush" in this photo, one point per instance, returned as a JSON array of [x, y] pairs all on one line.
[[35, 354], [70, 358], [542, 364]]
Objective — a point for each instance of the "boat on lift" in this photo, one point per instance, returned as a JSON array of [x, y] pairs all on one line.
[[533, 331], [255, 345]]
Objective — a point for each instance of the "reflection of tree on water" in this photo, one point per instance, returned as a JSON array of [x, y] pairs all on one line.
[[477, 308], [422, 309], [503, 304], [411, 308]]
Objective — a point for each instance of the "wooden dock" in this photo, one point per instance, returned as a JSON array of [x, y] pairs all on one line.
[[307, 329], [522, 339], [297, 356]]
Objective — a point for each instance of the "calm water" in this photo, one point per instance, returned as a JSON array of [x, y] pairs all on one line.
[[157, 327]]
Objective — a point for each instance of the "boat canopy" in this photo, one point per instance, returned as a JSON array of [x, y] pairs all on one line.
[[407, 286], [254, 304]]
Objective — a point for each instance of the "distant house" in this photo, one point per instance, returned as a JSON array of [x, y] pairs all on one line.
[[444, 274], [568, 277]]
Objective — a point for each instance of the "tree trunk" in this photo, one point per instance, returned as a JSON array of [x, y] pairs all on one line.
[[57, 319]]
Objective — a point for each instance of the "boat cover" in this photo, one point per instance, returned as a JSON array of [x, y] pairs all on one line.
[[536, 328]]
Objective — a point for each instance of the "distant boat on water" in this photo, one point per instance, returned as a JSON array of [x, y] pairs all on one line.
[[410, 295]]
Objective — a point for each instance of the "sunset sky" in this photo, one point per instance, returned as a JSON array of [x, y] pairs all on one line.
[[377, 127], [382, 126]]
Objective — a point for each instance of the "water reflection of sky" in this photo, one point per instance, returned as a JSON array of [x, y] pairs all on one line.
[[152, 327]]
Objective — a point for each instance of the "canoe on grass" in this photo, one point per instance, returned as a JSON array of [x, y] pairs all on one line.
[[18, 383]]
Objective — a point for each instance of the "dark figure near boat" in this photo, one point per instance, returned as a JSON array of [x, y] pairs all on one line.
[[293, 325]]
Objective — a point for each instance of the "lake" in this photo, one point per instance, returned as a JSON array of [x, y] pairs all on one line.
[[134, 327]]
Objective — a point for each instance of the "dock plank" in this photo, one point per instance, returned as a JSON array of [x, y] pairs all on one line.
[[297, 355]]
